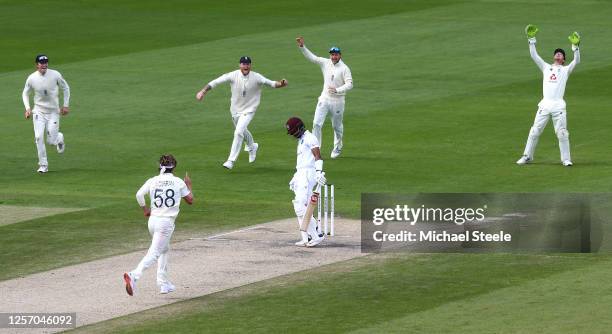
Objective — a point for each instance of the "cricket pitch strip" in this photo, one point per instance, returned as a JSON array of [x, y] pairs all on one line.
[[198, 266]]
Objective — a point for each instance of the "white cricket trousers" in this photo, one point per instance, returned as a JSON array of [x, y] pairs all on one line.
[[161, 229], [49, 122], [334, 107], [302, 184], [559, 119], [241, 121]]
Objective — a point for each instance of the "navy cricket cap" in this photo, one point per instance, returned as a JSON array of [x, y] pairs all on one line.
[[334, 49], [245, 60], [42, 59]]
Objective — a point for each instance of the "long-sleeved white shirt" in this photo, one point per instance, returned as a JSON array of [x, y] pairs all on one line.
[[554, 79], [246, 90], [165, 192], [46, 92], [334, 75]]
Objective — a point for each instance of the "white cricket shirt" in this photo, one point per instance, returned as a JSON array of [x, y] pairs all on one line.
[[305, 158], [246, 90], [46, 91], [165, 192], [554, 78], [334, 75]]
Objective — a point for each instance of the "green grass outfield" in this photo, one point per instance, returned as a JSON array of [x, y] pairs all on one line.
[[445, 93]]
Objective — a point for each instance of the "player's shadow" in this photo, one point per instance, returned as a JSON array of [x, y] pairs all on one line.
[[578, 163]]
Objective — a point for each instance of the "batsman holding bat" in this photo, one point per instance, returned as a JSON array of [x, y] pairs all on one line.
[[552, 104], [309, 173], [165, 192]]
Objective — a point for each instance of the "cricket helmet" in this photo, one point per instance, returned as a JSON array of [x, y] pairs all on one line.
[[295, 127]]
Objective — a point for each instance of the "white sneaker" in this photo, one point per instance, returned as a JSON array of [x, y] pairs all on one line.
[[61, 146], [336, 153], [523, 160], [314, 242], [567, 163], [130, 283], [301, 243], [167, 288], [43, 169], [253, 153], [228, 164]]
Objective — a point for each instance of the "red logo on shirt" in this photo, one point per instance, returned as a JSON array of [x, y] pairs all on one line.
[[553, 77]]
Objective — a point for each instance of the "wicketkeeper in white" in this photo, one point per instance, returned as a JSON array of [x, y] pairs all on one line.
[[246, 94], [46, 113], [165, 192], [552, 104], [309, 173], [337, 80]]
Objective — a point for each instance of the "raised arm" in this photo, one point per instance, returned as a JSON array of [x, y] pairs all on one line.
[[576, 59], [187, 193], [66, 93], [274, 84], [220, 80], [309, 55], [534, 54], [26, 99]]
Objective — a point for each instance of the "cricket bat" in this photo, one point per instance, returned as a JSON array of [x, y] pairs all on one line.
[[312, 205]]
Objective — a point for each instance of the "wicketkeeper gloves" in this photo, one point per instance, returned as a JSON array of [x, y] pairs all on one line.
[[574, 38], [531, 30]]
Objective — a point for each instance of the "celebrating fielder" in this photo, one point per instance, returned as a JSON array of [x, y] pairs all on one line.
[[246, 93], [165, 192], [337, 80], [552, 104], [309, 173], [46, 114]]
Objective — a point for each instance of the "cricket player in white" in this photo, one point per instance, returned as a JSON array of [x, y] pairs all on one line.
[[552, 104], [246, 94], [309, 173], [165, 192], [337, 80], [46, 114]]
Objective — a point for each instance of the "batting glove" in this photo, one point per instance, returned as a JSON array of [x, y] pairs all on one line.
[[320, 178], [531, 30], [574, 38]]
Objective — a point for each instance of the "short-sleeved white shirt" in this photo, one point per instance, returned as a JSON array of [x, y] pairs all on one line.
[[305, 158], [165, 192]]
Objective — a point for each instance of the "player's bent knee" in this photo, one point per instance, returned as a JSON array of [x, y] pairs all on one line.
[[562, 134], [299, 207], [239, 133], [156, 253]]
